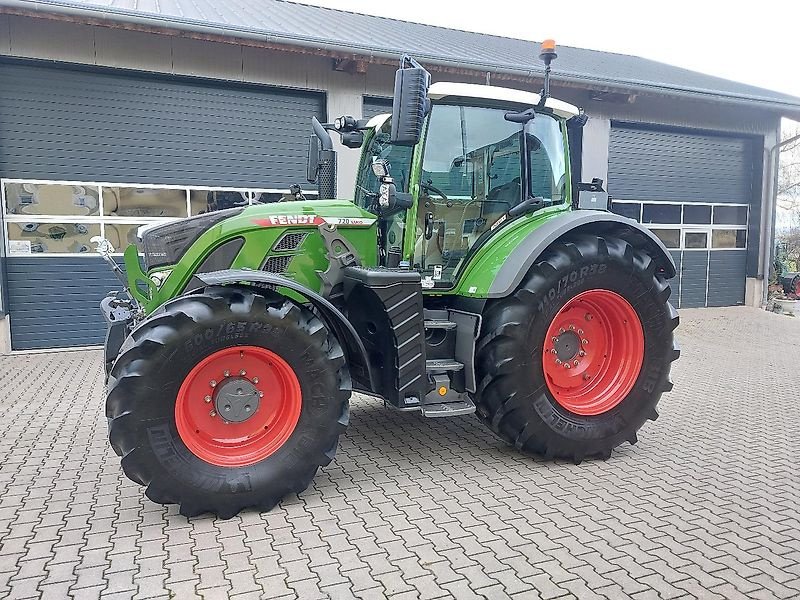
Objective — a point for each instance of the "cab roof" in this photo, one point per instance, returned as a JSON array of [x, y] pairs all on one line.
[[445, 89]]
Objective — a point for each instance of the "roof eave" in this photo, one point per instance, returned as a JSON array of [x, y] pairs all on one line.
[[116, 15]]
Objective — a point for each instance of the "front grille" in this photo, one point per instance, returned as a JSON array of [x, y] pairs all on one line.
[[277, 264], [289, 241]]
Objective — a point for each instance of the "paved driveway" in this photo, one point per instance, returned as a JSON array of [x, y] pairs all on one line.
[[706, 505]]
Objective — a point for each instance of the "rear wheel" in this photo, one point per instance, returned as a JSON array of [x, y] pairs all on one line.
[[575, 361], [227, 399]]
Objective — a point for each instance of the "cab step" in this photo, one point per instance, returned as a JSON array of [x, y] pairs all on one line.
[[435, 324], [465, 406], [442, 365], [443, 401]]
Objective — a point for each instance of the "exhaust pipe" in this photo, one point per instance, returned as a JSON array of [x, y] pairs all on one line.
[[326, 162]]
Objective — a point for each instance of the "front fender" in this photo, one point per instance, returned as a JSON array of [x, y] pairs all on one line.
[[352, 345], [525, 254]]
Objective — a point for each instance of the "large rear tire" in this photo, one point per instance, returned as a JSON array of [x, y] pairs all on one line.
[[574, 362], [227, 399]]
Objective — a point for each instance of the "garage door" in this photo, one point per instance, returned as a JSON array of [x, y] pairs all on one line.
[[694, 191], [86, 153], [375, 105]]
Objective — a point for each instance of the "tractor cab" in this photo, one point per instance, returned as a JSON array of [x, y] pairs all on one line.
[[485, 154]]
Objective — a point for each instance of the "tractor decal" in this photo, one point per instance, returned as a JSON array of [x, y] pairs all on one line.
[[305, 220]]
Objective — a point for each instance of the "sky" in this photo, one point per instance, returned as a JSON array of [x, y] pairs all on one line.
[[752, 42]]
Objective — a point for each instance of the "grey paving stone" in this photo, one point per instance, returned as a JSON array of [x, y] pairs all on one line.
[[705, 505]]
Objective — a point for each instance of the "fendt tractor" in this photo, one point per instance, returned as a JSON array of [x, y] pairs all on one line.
[[468, 274]]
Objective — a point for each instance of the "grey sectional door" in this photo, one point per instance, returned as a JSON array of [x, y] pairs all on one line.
[[680, 181], [375, 105], [62, 123]]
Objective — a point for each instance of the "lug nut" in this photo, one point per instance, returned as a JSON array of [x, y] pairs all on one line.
[[255, 379], [213, 413], [561, 330], [589, 317], [554, 339], [580, 331], [558, 361], [567, 365], [581, 353], [553, 351], [575, 363], [227, 373], [572, 327], [260, 394], [207, 399], [213, 383], [584, 341], [586, 377]]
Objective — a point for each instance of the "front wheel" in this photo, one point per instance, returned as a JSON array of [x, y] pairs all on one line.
[[575, 361], [227, 399]]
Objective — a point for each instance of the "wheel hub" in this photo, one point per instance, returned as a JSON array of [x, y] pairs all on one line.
[[236, 399], [219, 413], [593, 352], [567, 346]]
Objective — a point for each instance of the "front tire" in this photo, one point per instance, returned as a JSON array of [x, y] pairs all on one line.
[[227, 399], [574, 362]]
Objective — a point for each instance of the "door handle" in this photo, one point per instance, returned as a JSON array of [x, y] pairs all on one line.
[[428, 225]]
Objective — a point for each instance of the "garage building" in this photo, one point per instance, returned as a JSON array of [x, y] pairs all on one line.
[[116, 117]]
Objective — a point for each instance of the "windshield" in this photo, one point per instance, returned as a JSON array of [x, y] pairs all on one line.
[[399, 157]]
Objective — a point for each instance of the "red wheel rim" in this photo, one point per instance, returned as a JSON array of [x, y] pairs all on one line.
[[262, 397], [593, 352]]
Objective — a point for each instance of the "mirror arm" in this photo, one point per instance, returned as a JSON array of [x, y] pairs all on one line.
[[321, 132]]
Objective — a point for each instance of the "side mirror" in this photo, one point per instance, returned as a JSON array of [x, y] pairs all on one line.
[[312, 165], [410, 103]]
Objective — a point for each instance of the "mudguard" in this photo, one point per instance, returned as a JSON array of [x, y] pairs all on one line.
[[357, 359], [520, 260]]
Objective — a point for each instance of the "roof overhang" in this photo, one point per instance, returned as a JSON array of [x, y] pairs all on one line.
[[110, 16]]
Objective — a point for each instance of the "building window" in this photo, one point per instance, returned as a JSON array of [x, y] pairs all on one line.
[[631, 210], [38, 237], [661, 213], [144, 202], [49, 199], [695, 240], [730, 215], [670, 237], [696, 214], [60, 217], [729, 238]]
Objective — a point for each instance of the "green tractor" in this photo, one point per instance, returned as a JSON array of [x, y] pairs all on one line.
[[469, 274]]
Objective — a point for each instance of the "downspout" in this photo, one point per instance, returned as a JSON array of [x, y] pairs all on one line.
[[769, 229]]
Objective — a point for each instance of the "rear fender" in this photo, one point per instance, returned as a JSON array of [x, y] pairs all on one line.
[[527, 252], [344, 331]]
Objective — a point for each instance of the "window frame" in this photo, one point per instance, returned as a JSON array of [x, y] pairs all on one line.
[[684, 227], [101, 218]]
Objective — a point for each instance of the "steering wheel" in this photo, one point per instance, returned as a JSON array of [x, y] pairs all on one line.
[[430, 188]]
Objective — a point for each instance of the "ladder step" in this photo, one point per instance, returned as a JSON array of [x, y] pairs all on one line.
[[448, 409], [434, 324], [440, 365]]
